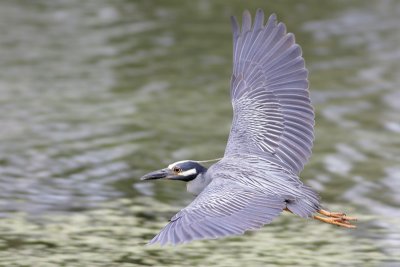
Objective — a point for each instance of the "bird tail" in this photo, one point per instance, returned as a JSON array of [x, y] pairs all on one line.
[[307, 205]]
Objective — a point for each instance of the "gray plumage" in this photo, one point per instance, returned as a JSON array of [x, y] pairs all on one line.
[[269, 143]]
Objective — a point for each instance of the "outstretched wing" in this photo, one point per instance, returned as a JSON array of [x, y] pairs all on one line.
[[273, 116], [222, 209]]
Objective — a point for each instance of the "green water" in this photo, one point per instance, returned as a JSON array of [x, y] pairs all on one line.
[[93, 94]]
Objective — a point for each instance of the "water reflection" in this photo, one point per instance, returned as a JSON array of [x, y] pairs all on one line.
[[95, 94]]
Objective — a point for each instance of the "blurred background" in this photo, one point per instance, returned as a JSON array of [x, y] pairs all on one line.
[[93, 94]]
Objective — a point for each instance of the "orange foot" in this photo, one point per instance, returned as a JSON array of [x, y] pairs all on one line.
[[336, 218]]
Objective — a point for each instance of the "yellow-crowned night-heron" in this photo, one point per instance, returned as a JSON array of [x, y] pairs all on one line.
[[270, 141]]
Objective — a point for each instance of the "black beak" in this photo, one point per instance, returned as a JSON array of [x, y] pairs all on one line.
[[160, 174]]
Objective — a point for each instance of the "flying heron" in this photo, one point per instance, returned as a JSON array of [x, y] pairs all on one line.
[[270, 141]]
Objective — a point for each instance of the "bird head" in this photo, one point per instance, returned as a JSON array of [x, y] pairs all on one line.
[[186, 171]]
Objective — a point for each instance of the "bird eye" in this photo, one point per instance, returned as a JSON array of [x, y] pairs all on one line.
[[177, 169]]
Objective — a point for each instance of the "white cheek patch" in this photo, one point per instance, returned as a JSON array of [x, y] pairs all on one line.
[[188, 172]]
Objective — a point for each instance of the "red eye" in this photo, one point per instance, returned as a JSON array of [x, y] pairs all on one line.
[[177, 169]]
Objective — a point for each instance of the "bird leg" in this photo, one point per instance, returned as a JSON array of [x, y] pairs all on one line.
[[336, 218]]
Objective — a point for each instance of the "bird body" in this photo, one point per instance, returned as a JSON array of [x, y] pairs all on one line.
[[270, 140], [264, 176]]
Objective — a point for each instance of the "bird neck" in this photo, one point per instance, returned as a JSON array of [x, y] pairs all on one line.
[[198, 184]]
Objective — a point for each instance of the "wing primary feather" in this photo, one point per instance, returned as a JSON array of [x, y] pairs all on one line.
[[235, 28], [269, 35], [279, 46], [281, 67], [292, 53], [246, 21], [259, 20]]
